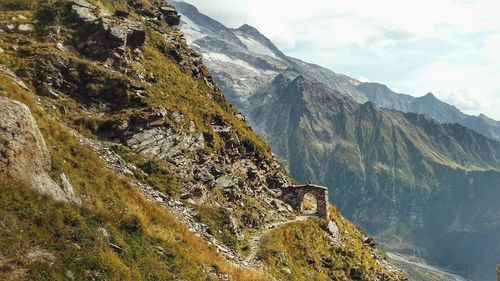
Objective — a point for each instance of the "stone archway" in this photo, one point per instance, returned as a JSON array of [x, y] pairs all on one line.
[[294, 196]]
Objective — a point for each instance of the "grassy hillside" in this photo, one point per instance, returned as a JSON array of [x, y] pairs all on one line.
[[43, 240]]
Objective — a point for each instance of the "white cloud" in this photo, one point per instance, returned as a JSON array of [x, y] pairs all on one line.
[[449, 47]]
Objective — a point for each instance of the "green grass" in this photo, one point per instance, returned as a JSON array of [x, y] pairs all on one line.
[[69, 233], [155, 172], [218, 221], [3, 142], [319, 258], [17, 5]]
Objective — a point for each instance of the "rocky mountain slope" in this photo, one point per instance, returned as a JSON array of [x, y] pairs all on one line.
[[122, 160], [243, 60], [421, 186], [431, 106]]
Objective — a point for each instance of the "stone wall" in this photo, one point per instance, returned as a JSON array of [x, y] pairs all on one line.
[[294, 195]]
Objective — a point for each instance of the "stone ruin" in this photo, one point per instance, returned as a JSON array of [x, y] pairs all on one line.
[[293, 195]]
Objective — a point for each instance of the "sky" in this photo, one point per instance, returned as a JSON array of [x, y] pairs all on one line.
[[448, 47]]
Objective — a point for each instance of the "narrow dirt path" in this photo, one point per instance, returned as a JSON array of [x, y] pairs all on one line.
[[185, 214], [256, 239]]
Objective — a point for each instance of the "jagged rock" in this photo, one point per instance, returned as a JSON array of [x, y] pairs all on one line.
[[47, 91], [84, 11], [203, 175], [370, 242], [24, 154], [164, 143], [60, 47], [84, 4], [334, 232], [226, 181], [123, 32], [115, 40], [1, 51], [170, 15]]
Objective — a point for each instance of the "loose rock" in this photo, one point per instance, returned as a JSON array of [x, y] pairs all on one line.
[[26, 28]]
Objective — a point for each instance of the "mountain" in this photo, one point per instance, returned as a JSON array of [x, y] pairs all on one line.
[[122, 160], [247, 50], [424, 187], [248, 59], [430, 106]]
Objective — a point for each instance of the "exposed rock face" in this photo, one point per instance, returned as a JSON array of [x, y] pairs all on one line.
[[115, 40], [24, 154], [235, 171], [170, 15], [161, 143], [5, 71]]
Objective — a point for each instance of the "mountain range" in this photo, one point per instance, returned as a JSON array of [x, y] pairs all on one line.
[[417, 173]]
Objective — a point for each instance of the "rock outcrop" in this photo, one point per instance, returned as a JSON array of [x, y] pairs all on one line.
[[24, 154], [114, 40]]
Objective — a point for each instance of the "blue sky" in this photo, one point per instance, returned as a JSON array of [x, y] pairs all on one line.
[[448, 47]]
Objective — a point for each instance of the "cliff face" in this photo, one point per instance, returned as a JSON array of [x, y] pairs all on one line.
[[122, 160]]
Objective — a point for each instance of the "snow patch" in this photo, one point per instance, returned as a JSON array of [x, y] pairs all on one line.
[[218, 57], [256, 47], [191, 30]]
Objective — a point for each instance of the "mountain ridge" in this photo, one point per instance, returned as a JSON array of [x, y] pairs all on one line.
[[440, 111]]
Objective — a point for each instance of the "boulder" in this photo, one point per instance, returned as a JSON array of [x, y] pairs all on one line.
[[24, 155], [26, 28], [84, 11], [123, 32], [170, 15]]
